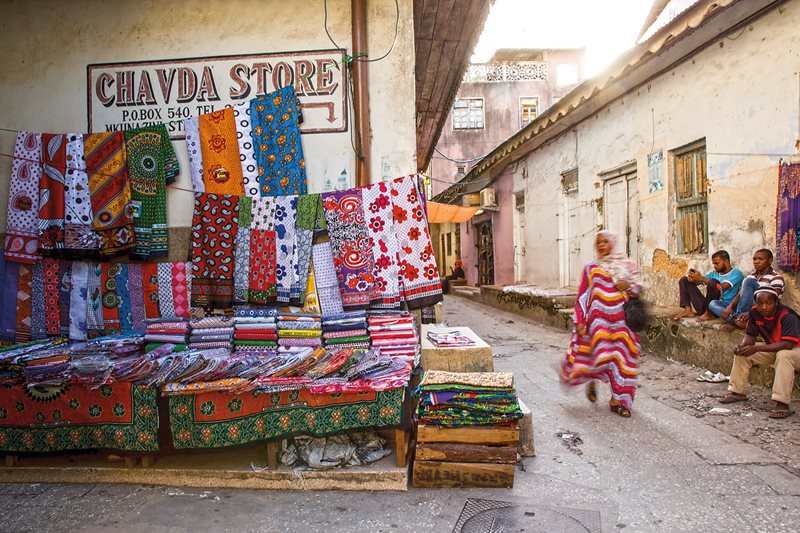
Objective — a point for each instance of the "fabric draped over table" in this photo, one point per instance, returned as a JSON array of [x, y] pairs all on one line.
[[788, 217], [419, 275], [277, 143], [214, 226], [152, 165], [263, 287], [22, 235], [350, 242], [222, 170], [106, 163]]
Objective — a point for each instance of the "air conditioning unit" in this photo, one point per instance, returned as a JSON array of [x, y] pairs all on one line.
[[488, 199]]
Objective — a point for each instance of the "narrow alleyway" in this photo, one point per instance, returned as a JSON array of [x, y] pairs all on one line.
[[669, 468]]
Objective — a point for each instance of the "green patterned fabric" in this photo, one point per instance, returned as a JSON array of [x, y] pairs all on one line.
[[215, 419], [121, 416]]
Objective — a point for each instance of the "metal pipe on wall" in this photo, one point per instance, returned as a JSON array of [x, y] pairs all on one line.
[[358, 10]]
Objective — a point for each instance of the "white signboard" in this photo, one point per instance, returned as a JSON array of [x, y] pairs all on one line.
[[130, 95]]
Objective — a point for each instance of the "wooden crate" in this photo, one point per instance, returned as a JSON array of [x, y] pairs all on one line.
[[489, 435], [466, 453], [431, 474]]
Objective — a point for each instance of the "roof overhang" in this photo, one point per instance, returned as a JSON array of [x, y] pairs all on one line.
[[691, 32], [445, 33]]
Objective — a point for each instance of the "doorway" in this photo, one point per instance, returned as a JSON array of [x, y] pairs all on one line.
[[485, 253], [621, 207]]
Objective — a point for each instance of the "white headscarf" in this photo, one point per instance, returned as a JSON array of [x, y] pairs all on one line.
[[616, 262]]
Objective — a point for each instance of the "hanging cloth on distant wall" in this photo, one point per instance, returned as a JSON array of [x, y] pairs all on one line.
[[788, 216], [22, 235]]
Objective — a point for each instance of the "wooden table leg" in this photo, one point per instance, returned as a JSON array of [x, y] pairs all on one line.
[[273, 449], [130, 461], [11, 460], [401, 447], [147, 461]]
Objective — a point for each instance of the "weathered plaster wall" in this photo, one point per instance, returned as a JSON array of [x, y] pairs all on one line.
[[47, 45], [741, 95]]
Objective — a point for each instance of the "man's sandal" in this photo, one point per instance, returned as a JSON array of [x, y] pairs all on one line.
[[780, 413], [621, 410], [730, 398]]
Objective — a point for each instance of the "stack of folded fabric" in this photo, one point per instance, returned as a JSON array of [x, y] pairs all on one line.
[[211, 332], [14, 359], [255, 333], [166, 330], [454, 399], [346, 330], [296, 330], [395, 334]]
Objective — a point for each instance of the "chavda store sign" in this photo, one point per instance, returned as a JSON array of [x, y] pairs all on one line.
[[124, 96]]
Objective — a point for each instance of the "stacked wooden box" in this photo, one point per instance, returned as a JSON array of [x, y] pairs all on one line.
[[471, 456]]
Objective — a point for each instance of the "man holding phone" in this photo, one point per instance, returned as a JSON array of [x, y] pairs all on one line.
[[722, 285]]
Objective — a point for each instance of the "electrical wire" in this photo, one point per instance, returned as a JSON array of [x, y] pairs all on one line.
[[361, 56], [454, 160]]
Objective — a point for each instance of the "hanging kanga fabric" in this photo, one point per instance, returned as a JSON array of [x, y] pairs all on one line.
[[94, 300], [788, 216], [350, 242], [124, 298], [222, 170], [149, 153], [78, 305], [24, 311], [214, 226], [192, 130], [241, 275], [244, 135], [108, 284], [8, 300], [38, 306], [380, 224], [419, 274], [22, 235], [166, 306], [110, 191], [79, 236], [181, 288], [263, 287], [51, 193], [285, 245], [64, 297], [330, 300], [308, 209], [277, 143], [136, 289], [150, 290], [53, 313]]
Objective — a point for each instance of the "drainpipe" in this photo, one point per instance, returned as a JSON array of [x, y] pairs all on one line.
[[363, 142]]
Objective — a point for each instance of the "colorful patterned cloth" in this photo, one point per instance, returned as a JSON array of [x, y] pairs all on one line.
[[309, 210], [277, 144], [151, 164], [79, 235], [22, 235], [94, 299], [263, 287], [241, 273], [52, 315], [350, 242], [166, 306], [215, 420], [9, 276], [380, 225], [419, 275], [285, 246], [124, 298], [222, 170], [51, 193], [788, 217], [247, 156], [108, 285], [214, 226], [324, 277], [24, 311], [192, 129], [150, 290], [38, 307], [121, 416], [106, 163], [181, 289], [78, 305]]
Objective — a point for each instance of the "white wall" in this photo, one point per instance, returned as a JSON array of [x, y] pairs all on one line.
[[741, 95], [47, 45]]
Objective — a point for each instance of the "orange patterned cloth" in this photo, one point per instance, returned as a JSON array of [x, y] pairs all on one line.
[[222, 169]]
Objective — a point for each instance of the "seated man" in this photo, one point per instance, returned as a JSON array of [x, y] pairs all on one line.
[[458, 273], [763, 274], [779, 327], [722, 286]]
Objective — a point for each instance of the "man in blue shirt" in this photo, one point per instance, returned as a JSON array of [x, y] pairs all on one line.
[[722, 286]]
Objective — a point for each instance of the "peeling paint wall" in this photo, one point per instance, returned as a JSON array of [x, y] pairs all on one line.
[[741, 96], [47, 45]]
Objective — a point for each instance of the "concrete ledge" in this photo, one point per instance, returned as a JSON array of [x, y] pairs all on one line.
[[219, 469]]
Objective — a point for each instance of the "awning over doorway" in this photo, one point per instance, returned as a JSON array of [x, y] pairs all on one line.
[[443, 213]]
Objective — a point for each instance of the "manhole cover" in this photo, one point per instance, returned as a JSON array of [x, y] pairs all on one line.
[[491, 516]]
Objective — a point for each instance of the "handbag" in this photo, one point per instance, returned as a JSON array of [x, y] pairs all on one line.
[[635, 314]]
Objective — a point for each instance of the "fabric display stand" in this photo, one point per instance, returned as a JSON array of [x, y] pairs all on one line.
[[291, 317]]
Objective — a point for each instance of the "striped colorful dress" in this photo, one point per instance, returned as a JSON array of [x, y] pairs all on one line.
[[610, 350]]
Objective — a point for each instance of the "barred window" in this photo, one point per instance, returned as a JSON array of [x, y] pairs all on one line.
[[468, 114], [691, 199]]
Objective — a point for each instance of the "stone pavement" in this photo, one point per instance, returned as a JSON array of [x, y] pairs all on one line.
[[671, 467]]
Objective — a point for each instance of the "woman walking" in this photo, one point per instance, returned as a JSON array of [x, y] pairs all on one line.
[[603, 347]]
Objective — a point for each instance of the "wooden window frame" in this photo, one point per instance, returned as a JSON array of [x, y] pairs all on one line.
[[522, 105], [690, 181], [456, 121]]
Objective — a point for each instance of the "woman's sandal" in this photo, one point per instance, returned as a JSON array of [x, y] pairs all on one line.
[[591, 392], [621, 410]]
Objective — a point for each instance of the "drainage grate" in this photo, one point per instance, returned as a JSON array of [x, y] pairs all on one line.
[[491, 516]]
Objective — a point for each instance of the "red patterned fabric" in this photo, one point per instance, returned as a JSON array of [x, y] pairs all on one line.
[[51, 192], [214, 226], [383, 241], [52, 314], [419, 275], [108, 287], [150, 288]]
